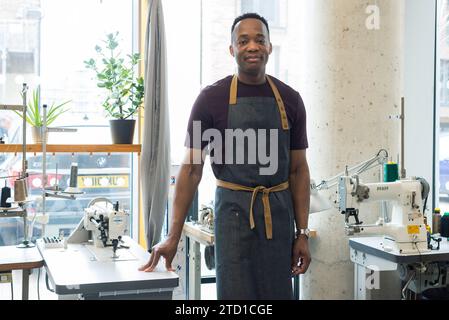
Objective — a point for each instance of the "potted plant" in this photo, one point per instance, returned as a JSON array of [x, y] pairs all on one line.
[[35, 118], [125, 91]]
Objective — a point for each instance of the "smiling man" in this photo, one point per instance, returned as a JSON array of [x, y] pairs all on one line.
[[261, 217]]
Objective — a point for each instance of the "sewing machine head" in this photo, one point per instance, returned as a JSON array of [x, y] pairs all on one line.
[[407, 231], [107, 225], [206, 219]]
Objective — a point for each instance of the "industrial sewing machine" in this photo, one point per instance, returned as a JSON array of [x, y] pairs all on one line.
[[399, 242], [105, 225], [406, 232], [404, 237]]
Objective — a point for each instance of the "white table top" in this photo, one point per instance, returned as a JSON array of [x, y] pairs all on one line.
[[83, 268], [373, 245], [13, 258]]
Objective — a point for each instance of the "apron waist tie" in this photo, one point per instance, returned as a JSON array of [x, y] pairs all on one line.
[[265, 200]]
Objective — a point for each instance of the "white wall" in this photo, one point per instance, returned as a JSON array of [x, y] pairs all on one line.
[[419, 88]]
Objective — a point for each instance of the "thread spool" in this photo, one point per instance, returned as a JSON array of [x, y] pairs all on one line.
[[445, 225], [6, 193], [436, 221], [74, 175], [20, 190], [391, 172]]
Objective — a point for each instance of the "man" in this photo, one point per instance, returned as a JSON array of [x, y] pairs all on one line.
[[259, 200]]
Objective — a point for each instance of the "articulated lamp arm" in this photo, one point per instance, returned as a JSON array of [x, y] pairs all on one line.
[[379, 159], [319, 203]]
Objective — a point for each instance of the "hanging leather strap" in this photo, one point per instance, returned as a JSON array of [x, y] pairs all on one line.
[[265, 200]]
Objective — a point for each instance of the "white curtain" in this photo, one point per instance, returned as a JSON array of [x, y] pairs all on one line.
[[155, 160]]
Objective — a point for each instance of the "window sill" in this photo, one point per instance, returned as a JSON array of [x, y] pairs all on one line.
[[73, 148]]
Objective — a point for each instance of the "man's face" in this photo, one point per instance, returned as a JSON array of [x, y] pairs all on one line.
[[250, 45]]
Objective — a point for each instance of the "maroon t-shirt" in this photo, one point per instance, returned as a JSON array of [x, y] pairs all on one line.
[[211, 108]]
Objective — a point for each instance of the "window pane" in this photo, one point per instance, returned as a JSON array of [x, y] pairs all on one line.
[[99, 175], [45, 43], [269, 9], [69, 40], [249, 6], [443, 156], [184, 76], [19, 46]]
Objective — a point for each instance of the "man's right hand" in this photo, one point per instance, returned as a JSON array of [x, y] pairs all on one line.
[[166, 249]]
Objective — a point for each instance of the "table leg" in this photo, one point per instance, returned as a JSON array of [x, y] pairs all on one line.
[[360, 292], [25, 283], [296, 294], [194, 270]]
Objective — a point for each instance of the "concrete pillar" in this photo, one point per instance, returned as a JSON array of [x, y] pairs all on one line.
[[351, 84]]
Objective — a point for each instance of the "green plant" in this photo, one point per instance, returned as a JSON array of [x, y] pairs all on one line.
[[34, 116], [125, 91]]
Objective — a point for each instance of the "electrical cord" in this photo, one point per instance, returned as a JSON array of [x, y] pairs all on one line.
[[404, 290], [425, 205], [12, 288], [47, 283], [421, 262], [38, 280]]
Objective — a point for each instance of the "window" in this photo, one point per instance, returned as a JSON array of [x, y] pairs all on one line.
[[444, 80], [274, 67], [269, 9], [443, 154], [45, 43]]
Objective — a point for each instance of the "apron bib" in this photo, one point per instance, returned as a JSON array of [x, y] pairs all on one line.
[[254, 220]]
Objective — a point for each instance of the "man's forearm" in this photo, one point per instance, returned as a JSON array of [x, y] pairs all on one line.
[[189, 178], [300, 188]]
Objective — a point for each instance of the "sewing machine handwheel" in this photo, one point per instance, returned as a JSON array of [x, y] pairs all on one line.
[[101, 201]]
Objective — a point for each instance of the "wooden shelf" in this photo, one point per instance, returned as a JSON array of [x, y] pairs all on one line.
[[195, 232], [73, 148]]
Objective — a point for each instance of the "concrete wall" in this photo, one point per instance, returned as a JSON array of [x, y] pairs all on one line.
[[352, 84]]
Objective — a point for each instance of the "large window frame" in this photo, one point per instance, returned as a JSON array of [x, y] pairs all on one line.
[[132, 150]]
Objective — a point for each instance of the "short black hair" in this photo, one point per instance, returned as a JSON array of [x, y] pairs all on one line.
[[250, 16]]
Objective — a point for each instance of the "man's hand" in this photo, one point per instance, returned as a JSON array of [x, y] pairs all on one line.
[[300, 255], [166, 249]]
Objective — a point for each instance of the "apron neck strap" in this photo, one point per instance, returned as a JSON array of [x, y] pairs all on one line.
[[233, 91], [277, 95]]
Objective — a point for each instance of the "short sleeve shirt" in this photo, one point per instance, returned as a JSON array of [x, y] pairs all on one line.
[[211, 109]]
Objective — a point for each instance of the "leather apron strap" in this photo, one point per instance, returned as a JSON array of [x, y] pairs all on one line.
[[279, 101], [265, 200]]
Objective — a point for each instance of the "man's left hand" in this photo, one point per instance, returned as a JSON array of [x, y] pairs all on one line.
[[300, 255]]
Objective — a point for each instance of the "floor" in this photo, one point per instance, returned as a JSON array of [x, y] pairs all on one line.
[[41, 293]]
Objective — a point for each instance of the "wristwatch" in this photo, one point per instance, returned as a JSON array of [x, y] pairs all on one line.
[[305, 232]]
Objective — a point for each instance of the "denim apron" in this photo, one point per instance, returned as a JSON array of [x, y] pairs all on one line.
[[254, 220]]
